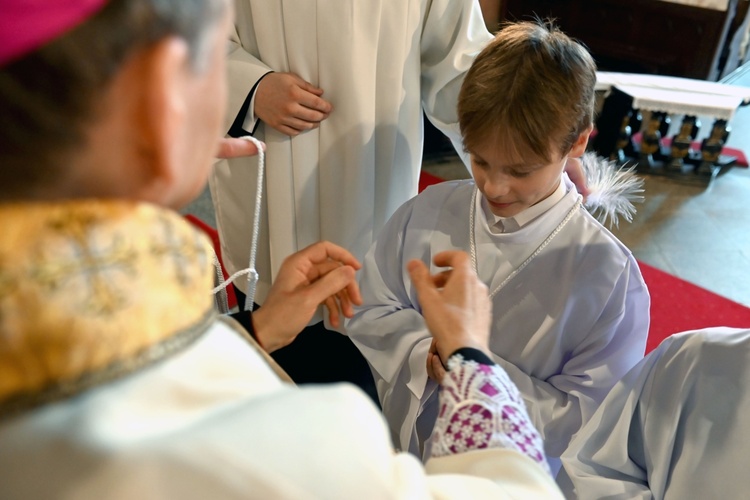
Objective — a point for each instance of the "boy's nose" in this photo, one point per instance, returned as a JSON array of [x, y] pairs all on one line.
[[496, 187]]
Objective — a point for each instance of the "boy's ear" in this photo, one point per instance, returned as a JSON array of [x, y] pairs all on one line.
[[579, 147], [160, 115]]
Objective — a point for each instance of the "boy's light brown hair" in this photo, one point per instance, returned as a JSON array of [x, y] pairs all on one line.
[[531, 88]]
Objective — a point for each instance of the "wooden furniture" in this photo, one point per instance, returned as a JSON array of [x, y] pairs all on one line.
[[646, 36], [631, 98]]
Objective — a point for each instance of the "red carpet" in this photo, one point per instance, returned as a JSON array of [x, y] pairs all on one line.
[[676, 305], [427, 179]]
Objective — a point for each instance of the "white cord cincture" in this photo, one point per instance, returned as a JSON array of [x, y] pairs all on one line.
[[252, 281], [253, 278]]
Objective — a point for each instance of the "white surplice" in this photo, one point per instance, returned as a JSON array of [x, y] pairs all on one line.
[[380, 63], [566, 327], [675, 427], [215, 422]]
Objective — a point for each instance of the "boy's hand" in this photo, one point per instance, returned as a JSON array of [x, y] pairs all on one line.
[[435, 367], [574, 169], [289, 104], [455, 304], [320, 273]]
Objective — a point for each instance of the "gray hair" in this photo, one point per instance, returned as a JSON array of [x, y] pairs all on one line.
[[48, 97]]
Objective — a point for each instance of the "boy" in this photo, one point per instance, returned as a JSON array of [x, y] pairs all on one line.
[[117, 380], [570, 305]]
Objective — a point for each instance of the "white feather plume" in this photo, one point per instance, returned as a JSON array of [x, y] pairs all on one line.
[[612, 189]]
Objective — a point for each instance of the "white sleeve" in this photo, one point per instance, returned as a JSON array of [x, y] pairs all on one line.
[[673, 427], [251, 119], [244, 72], [337, 447], [607, 458], [391, 333], [453, 34], [562, 403]]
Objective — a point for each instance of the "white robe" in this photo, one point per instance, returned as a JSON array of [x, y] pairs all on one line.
[[675, 427], [214, 421], [380, 63], [565, 328]]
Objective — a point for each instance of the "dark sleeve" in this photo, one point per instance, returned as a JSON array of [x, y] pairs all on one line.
[[471, 354], [236, 129]]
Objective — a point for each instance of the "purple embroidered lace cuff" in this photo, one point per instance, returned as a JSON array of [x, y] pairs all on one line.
[[481, 408]]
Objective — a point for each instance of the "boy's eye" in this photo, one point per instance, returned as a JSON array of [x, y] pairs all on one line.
[[519, 174], [479, 163]]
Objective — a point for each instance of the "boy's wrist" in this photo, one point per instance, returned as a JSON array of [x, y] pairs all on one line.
[[263, 335], [473, 354], [447, 350]]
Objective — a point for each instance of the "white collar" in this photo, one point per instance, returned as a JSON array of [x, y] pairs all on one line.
[[499, 224]]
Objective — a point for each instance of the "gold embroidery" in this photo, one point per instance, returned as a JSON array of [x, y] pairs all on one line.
[[181, 252], [83, 288], [82, 257]]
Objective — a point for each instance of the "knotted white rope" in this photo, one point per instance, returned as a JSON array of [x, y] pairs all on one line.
[[252, 280]]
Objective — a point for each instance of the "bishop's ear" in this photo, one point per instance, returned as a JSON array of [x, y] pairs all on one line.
[[159, 115]]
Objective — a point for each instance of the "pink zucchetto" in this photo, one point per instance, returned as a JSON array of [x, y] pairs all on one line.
[[26, 25]]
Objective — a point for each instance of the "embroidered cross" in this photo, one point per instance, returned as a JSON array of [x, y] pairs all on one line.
[[85, 259], [183, 253]]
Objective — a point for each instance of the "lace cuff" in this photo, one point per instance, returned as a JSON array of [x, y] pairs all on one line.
[[481, 408]]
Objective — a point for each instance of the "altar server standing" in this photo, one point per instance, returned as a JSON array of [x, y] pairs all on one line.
[[378, 64], [337, 90]]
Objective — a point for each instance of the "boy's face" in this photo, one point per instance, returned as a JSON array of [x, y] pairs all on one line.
[[509, 183]]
